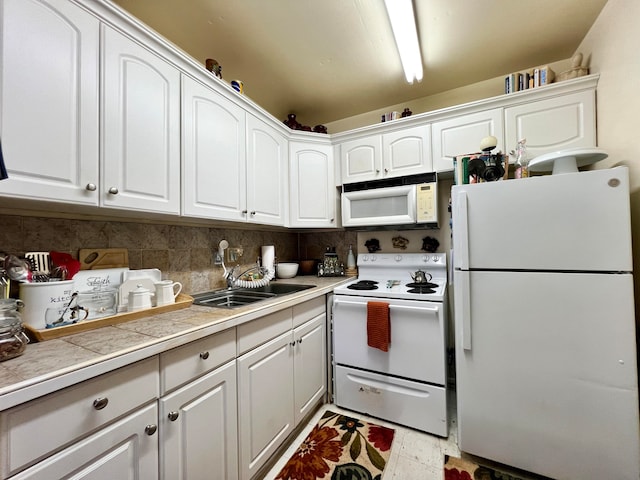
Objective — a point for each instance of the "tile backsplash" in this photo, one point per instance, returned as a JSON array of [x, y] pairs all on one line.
[[182, 253]]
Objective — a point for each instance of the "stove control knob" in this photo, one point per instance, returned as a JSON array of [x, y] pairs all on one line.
[[365, 258], [373, 258], [425, 258], [398, 258]]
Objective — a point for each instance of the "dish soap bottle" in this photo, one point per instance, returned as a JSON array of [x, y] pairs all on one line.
[[351, 259]]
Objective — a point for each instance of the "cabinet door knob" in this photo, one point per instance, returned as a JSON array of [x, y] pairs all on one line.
[[244, 212], [113, 191], [253, 212], [293, 344], [150, 429], [204, 355], [332, 220], [100, 402], [386, 170], [91, 187], [173, 416], [377, 170], [299, 341]]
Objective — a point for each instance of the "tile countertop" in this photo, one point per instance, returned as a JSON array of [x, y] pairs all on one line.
[[48, 366]]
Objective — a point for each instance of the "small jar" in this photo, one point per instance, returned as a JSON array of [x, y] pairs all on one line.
[[13, 340]]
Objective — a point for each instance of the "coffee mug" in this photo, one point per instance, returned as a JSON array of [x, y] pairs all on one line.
[[237, 85], [167, 291]]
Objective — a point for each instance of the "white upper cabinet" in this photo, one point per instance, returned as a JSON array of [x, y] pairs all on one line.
[[313, 194], [141, 128], [463, 134], [387, 155], [361, 159], [407, 152], [557, 123], [214, 154], [267, 174], [49, 100]]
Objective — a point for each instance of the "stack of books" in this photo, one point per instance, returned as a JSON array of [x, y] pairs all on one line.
[[536, 77]]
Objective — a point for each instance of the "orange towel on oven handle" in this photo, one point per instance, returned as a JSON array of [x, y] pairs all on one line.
[[378, 325]]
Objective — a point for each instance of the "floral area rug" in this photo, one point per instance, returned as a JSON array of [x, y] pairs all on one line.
[[461, 469], [340, 448]]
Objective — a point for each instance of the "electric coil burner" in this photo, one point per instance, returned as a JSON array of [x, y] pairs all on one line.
[[407, 383], [364, 285]]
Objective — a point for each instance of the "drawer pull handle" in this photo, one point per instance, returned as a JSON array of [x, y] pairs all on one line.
[[204, 355], [100, 403], [150, 429], [173, 416]]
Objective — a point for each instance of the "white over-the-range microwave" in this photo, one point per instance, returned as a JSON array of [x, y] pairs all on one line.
[[408, 201]]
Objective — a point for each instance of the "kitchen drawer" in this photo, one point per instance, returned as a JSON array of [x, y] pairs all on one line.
[[34, 430], [414, 404], [308, 310], [188, 362], [257, 332]]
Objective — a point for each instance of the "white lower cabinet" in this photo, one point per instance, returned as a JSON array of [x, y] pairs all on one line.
[[108, 420], [309, 366], [127, 449], [198, 420], [265, 401], [198, 428], [279, 383]]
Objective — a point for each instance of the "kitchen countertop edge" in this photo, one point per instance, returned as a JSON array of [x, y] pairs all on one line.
[[57, 379]]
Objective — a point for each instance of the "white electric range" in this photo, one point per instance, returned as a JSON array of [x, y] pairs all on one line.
[[407, 383]]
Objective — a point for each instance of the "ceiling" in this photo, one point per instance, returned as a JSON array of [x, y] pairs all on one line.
[[326, 60]]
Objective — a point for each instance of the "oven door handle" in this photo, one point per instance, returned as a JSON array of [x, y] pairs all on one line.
[[420, 309], [346, 302]]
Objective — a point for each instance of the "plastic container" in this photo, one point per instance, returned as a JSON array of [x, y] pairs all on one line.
[[13, 340]]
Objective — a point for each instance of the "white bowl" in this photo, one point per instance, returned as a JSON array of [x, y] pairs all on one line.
[[286, 270]]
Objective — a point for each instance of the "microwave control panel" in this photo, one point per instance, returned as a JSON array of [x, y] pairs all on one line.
[[427, 202]]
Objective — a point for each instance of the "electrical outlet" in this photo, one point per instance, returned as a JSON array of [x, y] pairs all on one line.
[[234, 254]]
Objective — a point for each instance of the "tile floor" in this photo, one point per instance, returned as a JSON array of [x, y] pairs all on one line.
[[414, 455]]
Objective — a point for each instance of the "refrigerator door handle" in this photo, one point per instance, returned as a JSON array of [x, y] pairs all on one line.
[[461, 237], [463, 307]]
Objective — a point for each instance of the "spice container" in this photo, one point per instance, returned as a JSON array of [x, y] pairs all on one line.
[[13, 340]]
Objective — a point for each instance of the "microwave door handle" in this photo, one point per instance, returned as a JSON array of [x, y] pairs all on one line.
[[461, 232]]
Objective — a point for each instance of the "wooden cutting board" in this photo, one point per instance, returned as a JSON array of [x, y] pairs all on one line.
[[98, 258]]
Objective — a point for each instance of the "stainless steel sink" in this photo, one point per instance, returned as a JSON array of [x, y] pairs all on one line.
[[239, 297]]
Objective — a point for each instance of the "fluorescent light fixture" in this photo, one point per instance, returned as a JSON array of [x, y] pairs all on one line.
[[403, 23]]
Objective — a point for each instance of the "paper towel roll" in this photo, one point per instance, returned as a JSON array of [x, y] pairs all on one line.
[[268, 257]]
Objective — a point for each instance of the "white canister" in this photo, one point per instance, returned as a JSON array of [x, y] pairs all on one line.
[[167, 291], [139, 299], [38, 296]]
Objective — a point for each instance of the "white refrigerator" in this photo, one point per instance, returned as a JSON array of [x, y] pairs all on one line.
[[546, 368]]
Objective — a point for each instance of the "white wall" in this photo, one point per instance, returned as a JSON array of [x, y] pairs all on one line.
[[613, 48]]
